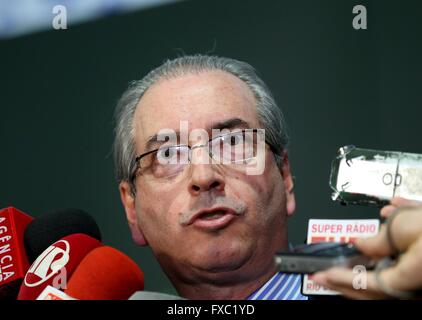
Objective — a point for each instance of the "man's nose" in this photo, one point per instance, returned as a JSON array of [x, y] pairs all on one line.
[[204, 175]]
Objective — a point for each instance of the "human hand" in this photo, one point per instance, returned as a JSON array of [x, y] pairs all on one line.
[[405, 275]]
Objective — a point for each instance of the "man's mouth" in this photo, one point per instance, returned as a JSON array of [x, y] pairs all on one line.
[[213, 219], [212, 215]]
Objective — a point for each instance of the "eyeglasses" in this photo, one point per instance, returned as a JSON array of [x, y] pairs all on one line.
[[237, 149]]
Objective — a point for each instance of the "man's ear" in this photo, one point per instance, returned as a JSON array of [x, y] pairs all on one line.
[[128, 200], [288, 184]]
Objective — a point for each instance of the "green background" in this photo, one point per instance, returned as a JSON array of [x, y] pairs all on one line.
[[336, 85]]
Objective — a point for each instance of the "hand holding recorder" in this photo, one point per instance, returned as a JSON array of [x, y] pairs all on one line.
[[400, 236]]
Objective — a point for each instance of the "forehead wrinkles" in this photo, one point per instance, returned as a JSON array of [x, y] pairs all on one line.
[[200, 98]]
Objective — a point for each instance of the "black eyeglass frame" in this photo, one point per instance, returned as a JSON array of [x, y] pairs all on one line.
[[138, 158]]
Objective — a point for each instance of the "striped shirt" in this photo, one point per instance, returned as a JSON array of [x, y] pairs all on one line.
[[281, 286]]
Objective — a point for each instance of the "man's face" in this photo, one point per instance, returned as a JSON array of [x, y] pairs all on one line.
[[245, 222]]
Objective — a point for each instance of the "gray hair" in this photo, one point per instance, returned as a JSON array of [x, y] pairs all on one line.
[[269, 114]]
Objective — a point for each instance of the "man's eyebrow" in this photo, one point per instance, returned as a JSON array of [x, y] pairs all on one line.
[[154, 143], [231, 124]]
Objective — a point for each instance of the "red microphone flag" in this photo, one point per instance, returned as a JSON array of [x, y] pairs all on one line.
[[13, 260]]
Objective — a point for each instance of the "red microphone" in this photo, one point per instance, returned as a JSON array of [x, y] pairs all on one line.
[[13, 260], [56, 264], [105, 274]]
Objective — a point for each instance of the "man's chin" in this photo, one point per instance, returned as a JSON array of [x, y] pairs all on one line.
[[226, 253], [221, 264], [222, 267]]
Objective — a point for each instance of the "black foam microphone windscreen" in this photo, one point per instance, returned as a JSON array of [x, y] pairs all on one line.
[[49, 228]]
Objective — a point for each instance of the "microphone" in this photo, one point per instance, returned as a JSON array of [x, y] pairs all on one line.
[[13, 259], [105, 274], [56, 264], [149, 295], [49, 228]]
